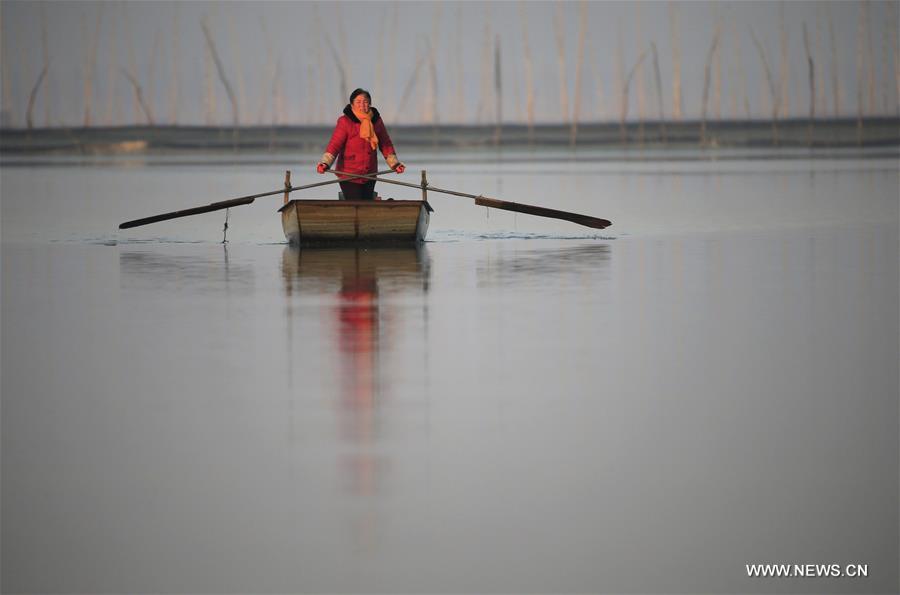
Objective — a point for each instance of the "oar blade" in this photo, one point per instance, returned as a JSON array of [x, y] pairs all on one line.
[[216, 206], [518, 207]]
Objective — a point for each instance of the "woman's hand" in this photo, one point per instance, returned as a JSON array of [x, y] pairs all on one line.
[[321, 167], [400, 168]]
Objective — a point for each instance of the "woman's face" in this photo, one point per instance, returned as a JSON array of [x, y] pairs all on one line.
[[361, 103]]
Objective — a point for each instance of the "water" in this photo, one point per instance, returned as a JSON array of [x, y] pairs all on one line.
[[518, 405]]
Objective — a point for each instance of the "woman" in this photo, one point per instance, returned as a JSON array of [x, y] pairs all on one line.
[[356, 136]]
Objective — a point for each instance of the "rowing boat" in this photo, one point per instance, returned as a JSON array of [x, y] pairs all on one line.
[[312, 222]]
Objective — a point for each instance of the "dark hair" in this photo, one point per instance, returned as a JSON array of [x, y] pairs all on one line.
[[360, 92]]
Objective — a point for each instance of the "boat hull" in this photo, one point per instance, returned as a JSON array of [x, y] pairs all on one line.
[[313, 222]]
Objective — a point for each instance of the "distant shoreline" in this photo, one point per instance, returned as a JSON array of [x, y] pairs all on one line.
[[655, 135]]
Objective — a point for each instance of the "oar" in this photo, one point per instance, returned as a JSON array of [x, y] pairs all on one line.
[[493, 203], [234, 202]]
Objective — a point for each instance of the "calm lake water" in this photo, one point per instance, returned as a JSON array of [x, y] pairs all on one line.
[[518, 405]]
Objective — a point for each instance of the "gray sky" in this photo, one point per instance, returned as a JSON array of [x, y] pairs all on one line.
[[379, 44]]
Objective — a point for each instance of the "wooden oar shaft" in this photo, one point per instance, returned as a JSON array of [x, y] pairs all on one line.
[[216, 206], [518, 207], [234, 202]]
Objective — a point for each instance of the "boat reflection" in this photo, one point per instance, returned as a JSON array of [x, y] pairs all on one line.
[[363, 316], [364, 322], [395, 268]]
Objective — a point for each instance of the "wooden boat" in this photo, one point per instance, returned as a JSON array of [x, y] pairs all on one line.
[[307, 222], [312, 222]]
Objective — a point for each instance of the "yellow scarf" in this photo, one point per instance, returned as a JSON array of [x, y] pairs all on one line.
[[366, 130]]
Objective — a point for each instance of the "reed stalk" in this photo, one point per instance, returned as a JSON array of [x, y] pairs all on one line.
[[624, 102], [174, 83], [234, 49], [131, 59], [498, 91], [885, 62], [731, 68], [706, 81], [558, 28], [342, 92], [639, 76], [278, 102], [379, 56], [392, 54], [717, 66], [410, 85], [659, 96], [425, 92], [870, 60], [347, 65], [139, 97], [741, 71], [434, 97], [29, 121], [112, 115], [894, 13], [295, 105], [860, 72], [517, 94], [209, 90], [118, 102], [310, 91], [765, 99], [835, 79], [675, 36], [265, 96], [45, 52], [151, 71], [485, 82], [620, 71], [319, 80], [821, 97], [529, 72], [220, 69], [6, 108], [812, 86], [460, 99], [90, 63], [784, 68], [598, 80], [773, 90], [579, 67]]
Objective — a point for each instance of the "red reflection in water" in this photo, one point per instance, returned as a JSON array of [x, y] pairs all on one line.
[[358, 341], [362, 324]]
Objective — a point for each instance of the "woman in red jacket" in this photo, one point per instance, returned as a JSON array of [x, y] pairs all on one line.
[[356, 136]]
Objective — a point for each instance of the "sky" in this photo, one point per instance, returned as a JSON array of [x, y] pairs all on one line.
[[428, 62]]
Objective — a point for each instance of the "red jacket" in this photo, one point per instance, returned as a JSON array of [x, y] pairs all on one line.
[[355, 154]]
